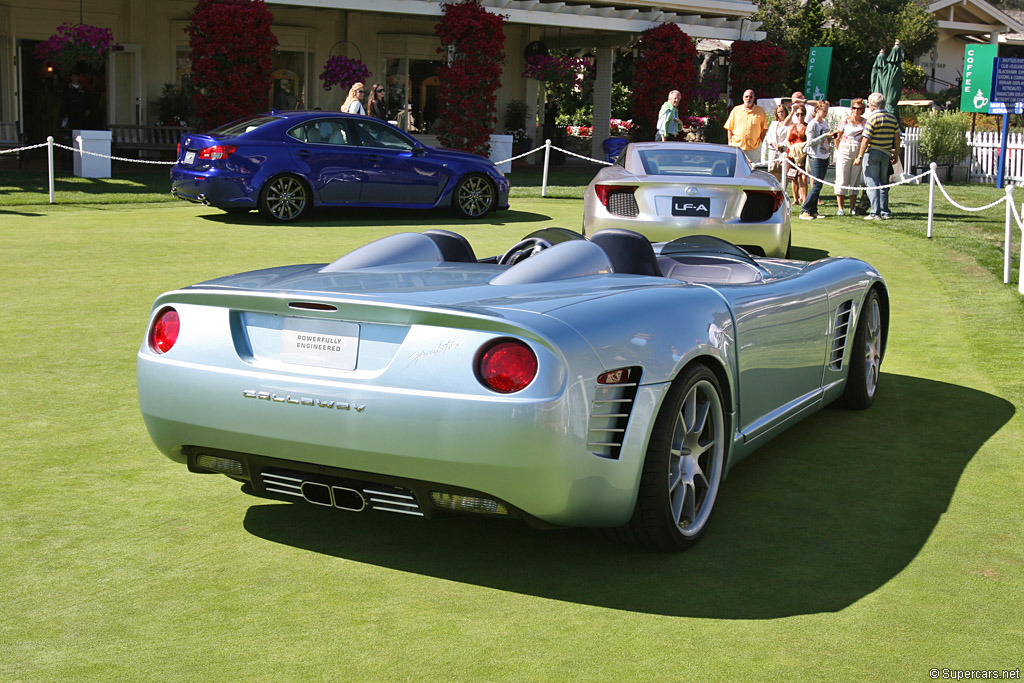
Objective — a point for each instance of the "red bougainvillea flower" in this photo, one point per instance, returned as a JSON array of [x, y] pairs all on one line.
[[73, 45], [343, 72], [668, 61], [473, 42], [231, 43], [755, 65]]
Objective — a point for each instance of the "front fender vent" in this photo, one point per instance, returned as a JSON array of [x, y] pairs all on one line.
[[609, 415], [840, 333]]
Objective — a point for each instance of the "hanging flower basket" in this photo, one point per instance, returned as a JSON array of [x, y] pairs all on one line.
[[550, 68], [74, 45], [343, 72]]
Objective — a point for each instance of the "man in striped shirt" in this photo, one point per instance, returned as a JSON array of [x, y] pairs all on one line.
[[881, 142]]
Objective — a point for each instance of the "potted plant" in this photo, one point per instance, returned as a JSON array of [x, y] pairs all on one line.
[[76, 46], [342, 71], [943, 139]]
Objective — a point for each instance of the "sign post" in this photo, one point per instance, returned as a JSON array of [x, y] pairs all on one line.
[[819, 63]]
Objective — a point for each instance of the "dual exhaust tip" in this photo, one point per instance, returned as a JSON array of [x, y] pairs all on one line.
[[340, 497], [202, 198]]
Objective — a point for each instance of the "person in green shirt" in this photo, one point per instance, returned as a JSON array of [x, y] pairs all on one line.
[[668, 118]]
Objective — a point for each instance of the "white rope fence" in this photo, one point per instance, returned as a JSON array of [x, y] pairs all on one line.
[[1012, 215]]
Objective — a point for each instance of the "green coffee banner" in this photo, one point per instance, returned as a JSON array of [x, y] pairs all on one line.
[[976, 90], [819, 63]]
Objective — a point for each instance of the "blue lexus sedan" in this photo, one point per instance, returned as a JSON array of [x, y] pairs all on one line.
[[284, 163]]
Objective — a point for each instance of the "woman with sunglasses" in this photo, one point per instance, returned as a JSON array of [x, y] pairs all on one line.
[[354, 102], [851, 130], [797, 154], [377, 108]]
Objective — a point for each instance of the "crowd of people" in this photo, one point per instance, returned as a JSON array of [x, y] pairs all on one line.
[[866, 143]]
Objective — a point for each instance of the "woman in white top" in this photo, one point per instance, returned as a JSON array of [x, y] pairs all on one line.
[[354, 102], [850, 132], [776, 137]]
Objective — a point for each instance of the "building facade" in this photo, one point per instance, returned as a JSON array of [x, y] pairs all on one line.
[[395, 38]]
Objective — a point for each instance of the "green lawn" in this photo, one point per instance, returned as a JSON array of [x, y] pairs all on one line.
[[856, 546]]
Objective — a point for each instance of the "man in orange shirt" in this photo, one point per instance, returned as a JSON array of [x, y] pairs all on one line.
[[747, 125]]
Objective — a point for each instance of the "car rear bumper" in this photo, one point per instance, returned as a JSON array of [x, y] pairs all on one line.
[[213, 187], [772, 237], [529, 454]]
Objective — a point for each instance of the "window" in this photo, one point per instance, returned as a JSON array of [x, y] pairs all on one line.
[[372, 134], [321, 131]]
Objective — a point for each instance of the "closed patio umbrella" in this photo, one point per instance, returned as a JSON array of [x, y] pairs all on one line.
[[887, 77]]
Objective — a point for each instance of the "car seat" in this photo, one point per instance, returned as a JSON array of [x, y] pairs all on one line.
[[454, 247], [628, 251]]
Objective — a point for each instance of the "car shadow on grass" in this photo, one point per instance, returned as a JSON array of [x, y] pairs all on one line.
[[417, 219], [815, 520]]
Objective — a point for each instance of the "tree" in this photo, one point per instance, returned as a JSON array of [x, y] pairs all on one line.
[[231, 42], [857, 29], [755, 65], [474, 41], [668, 61]]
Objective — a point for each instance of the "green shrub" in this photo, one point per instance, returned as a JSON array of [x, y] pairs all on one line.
[[943, 137]]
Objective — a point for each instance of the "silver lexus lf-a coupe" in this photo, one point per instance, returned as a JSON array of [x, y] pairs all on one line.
[[667, 190], [602, 382]]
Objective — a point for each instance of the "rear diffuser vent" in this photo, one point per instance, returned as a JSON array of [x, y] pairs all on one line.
[[623, 203]]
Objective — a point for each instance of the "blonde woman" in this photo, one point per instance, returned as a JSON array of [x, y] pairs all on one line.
[[850, 132], [354, 102]]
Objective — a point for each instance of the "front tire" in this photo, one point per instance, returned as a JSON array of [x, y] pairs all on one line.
[[474, 196], [866, 355], [684, 465], [284, 199]]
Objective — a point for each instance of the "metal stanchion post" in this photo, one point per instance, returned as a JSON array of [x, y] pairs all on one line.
[[547, 159], [931, 197], [49, 157], [1009, 234]]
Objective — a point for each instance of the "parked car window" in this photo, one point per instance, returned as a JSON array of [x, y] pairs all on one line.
[[321, 131], [373, 134], [246, 125], [689, 162]]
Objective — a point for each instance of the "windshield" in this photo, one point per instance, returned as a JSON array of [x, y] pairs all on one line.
[[690, 162], [246, 125]]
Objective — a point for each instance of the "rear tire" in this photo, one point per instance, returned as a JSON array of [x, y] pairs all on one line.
[[285, 199], [866, 355], [684, 465], [474, 196]]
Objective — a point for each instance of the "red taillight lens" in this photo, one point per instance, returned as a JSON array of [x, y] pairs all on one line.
[[217, 152], [179, 151], [164, 331], [507, 366], [602, 191], [776, 196]]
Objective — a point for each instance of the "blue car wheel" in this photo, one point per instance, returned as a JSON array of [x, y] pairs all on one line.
[[474, 196], [284, 198]]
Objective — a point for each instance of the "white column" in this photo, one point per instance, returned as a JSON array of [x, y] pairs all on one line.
[[602, 99]]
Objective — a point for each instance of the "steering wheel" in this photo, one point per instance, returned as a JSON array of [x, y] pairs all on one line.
[[523, 249]]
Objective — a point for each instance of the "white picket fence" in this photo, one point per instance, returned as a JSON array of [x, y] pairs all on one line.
[[984, 157]]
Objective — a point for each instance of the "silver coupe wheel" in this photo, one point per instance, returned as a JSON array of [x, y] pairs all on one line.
[[284, 199], [684, 465], [474, 196], [866, 355], [696, 456]]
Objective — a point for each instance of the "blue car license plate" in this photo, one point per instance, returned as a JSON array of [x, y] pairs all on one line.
[[691, 206]]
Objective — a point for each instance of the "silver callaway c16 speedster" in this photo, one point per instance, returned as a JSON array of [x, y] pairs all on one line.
[[667, 190], [599, 382]]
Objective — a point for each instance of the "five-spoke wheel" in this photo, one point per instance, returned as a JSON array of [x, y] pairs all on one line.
[[284, 199], [474, 196]]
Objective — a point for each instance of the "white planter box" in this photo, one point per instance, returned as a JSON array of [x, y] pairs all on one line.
[[87, 165]]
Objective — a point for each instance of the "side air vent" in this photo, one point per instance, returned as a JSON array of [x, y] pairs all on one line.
[[841, 330], [610, 411]]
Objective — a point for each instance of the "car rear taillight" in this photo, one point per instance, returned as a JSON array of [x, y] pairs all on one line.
[[602, 191], [506, 366], [217, 152], [164, 331], [776, 197], [179, 151]]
